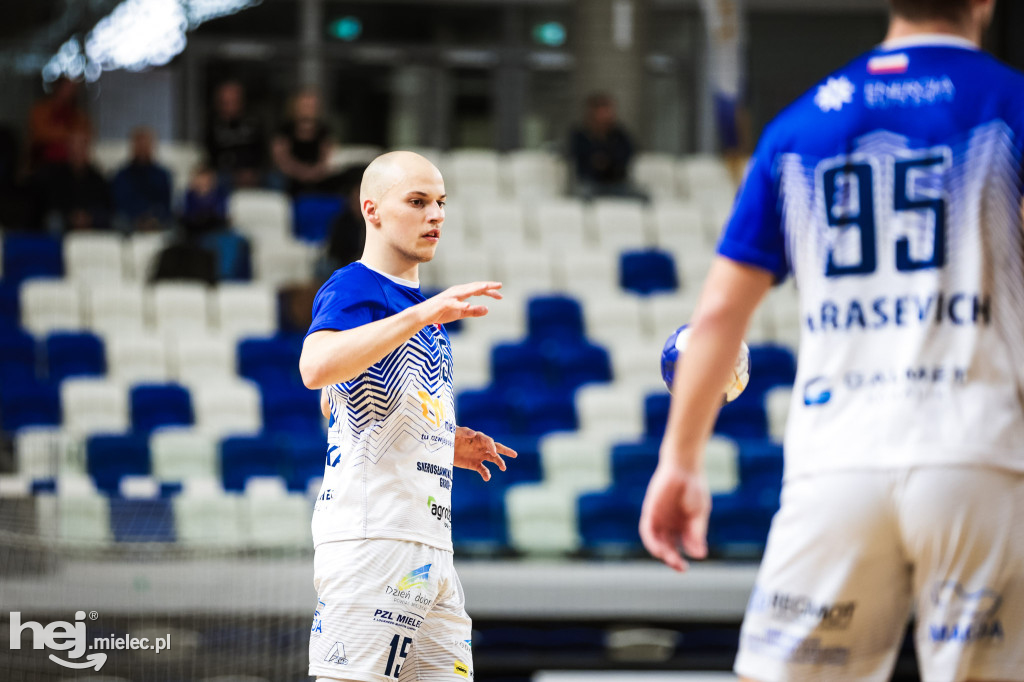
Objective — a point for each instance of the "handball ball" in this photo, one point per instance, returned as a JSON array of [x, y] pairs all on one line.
[[673, 352]]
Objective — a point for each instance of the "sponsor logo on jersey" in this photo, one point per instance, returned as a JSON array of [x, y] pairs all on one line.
[[405, 620], [798, 607], [464, 644], [822, 390], [337, 654], [890, 63], [817, 391], [439, 511], [418, 577], [407, 591], [964, 617], [318, 627], [834, 94], [795, 648], [461, 669], [444, 474], [911, 92], [433, 409]]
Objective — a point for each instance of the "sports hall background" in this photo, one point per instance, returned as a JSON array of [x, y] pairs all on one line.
[[159, 455]]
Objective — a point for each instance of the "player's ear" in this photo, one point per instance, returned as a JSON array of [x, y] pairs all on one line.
[[370, 212]]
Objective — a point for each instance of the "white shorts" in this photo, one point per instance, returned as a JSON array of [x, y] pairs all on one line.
[[388, 610], [851, 554]]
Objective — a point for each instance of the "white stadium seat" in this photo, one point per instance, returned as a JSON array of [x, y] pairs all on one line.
[[94, 406], [45, 451], [473, 173], [261, 214], [777, 403], [202, 358], [527, 274], [138, 358], [94, 257], [343, 156], [180, 307], [619, 223], [49, 305], [116, 309], [143, 251], [245, 310], [655, 174], [721, 464], [576, 460], [542, 518], [227, 408], [83, 513], [273, 517], [678, 225], [110, 155], [590, 273], [561, 223], [607, 317], [283, 262], [206, 516], [472, 362], [604, 410], [179, 453], [533, 174]]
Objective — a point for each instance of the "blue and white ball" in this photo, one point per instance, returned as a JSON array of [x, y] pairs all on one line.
[[673, 351]]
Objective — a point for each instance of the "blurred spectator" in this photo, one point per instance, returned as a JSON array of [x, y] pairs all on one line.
[[348, 231], [142, 188], [73, 195], [302, 146], [186, 259], [205, 208], [235, 143], [52, 122], [601, 151], [13, 206]]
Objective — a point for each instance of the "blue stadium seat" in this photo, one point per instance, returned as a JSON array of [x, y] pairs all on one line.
[[108, 458], [28, 256], [305, 458], [270, 362], [484, 410], [519, 365], [245, 456], [523, 469], [478, 512], [634, 463], [744, 418], [760, 469], [313, 215], [538, 413], [17, 358], [610, 519], [656, 414], [738, 523], [554, 317], [770, 366], [291, 408], [155, 405], [29, 403], [142, 520], [578, 364], [647, 272], [10, 310], [74, 354]]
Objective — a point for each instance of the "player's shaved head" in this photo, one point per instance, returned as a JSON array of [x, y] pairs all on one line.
[[389, 170]]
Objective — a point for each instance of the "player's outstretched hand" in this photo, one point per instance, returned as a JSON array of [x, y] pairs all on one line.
[[675, 512], [451, 304], [473, 448]]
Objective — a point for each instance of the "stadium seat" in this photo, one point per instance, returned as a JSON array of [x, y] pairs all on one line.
[[17, 357], [473, 172], [647, 272], [29, 403], [761, 467], [472, 363], [744, 418], [182, 453], [243, 310], [636, 362], [738, 525], [678, 225], [143, 250], [51, 305], [771, 366], [156, 405], [283, 262], [10, 312], [243, 457], [108, 458], [344, 156], [533, 174], [525, 468], [701, 173], [607, 410], [305, 455], [484, 410], [577, 461], [73, 355], [559, 318], [777, 402], [94, 257], [619, 224], [478, 513], [230, 407], [137, 358], [654, 173], [116, 310], [180, 307], [590, 273], [610, 317], [537, 414], [633, 463], [261, 215], [314, 214], [577, 364], [520, 365], [291, 408], [83, 513], [273, 517], [46, 451], [561, 223], [656, 414], [528, 273], [201, 359], [609, 520], [26, 256], [721, 464], [666, 312], [542, 519], [270, 361], [208, 519], [141, 520], [110, 154], [94, 406]]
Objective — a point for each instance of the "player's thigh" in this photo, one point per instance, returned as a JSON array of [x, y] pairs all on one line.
[[442, 650], [372, 598], [963, 529], [832, 595]]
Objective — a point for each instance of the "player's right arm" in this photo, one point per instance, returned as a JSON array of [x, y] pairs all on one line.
[[331, 357]]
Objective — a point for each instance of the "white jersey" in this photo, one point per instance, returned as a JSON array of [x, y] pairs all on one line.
[[892, 193], [390, 452]]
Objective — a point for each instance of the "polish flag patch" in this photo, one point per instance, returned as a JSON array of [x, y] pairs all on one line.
[[890, 63]]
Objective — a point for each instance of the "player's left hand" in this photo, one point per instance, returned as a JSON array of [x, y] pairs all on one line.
[[473, 448], [675, 513]]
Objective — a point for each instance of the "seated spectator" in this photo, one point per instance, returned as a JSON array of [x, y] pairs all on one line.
[[205, 208], [72, 195], [185, 259], [235, 142], [601, 151], [14, 206], [302, 146], [142, 188], [52, 122]]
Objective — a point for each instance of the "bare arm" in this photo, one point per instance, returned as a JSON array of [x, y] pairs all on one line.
[[331, 357], [677, 503]]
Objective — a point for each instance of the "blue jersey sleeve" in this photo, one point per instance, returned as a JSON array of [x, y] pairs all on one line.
[[753, 235], [351, 298]]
